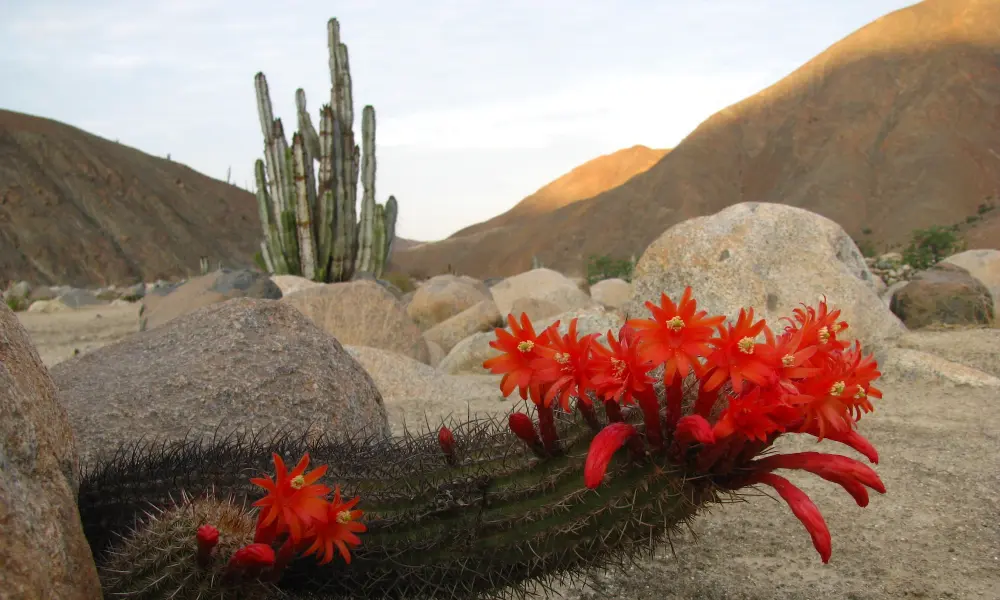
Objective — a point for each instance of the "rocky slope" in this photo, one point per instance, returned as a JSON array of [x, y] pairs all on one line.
[[891, 129], [81, 210]]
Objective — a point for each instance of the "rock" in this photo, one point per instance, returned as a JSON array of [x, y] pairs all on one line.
[[596, 319], [890, 292], [482, 316], [612, 293], [770, 257], [889, 260], [135, 292], [289, 284], [75, 298], [907, 364], [416, 394], [468, 355], [582, 283], [945, 294], [164, 302], [540, 284], [977, 347], [244, 362], [435, 353], [362, 313], [984, 265], [444, 296], [47, 306], [42, 293], [44, 553], [535, 308]]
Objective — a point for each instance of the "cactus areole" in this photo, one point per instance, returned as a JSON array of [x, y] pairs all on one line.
[[606, 470], [308, 214]]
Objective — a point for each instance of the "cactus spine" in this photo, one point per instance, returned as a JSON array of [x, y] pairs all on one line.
[[309, 216]]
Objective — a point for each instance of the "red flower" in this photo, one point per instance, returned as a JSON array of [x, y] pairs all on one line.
[[619, 372], [804, 509], [786, 355], [829, 400], [252, 556], [735, 356], [694, 428], [338, 529], [520, 349], [849, 473], [563, 367], [820, 328], [755, 416], [676, 335], [294, 500], [602, 448]]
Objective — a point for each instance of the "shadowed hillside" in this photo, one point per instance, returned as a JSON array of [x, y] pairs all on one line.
[[894, 128], [81, 210]]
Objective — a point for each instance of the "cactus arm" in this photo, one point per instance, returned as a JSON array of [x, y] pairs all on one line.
[[271, 245], [391, 213], [306, 128], [325, 198], [305, 199], [366, 224], [378, 241], [265, 253]]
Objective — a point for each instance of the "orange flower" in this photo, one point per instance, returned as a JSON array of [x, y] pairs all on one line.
[[337, 529], [619, 372], [563, 367], [520, 349], [735, 356], [294, 501], [676, 335]]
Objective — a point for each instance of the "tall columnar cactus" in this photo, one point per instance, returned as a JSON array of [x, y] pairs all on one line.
[[486, 508], [308, 215]]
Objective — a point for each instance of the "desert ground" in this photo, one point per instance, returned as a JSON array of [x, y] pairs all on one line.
[[934, 534]]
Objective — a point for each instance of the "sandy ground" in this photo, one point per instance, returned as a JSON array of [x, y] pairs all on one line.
[[935, 534]]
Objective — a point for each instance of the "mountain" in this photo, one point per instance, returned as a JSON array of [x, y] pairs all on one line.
[[77, 209], [894, 128], [589, 179]]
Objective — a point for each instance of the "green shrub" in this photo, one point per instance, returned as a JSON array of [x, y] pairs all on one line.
[[401, 280], [928, 246], [17, 304], [867, 247], [605, 267], [866, 230]]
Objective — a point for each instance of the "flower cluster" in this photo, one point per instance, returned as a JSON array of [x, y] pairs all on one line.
[[295, 516], [803, 379]]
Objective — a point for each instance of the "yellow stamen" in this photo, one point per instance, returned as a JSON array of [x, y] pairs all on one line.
[[562, 358], [526, 346], [788, 360], [861, 394], [676, 324], [344, 516], [297, 482], [824, 335], [837, 388], [618, 366], [746, 345]]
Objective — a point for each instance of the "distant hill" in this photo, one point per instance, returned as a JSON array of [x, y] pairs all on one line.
[[894, 128], [81, 210], [589, 179]]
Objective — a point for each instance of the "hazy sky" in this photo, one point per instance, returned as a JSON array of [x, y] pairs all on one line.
[[478, 103]]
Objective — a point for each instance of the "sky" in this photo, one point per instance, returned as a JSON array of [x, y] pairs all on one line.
[[478, 103]]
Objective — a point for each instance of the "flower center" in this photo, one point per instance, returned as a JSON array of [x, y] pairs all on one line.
[[824, 335], [861, 394], [618, 367], [526, 346], [676, 324], [788, 360], [344, 516], [297, 482], [837, 388], [746, 345], [562, 358]]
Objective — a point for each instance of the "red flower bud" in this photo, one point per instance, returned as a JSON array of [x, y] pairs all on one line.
[[208, 537], [602, 448], [447, 441], [252, 556]]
